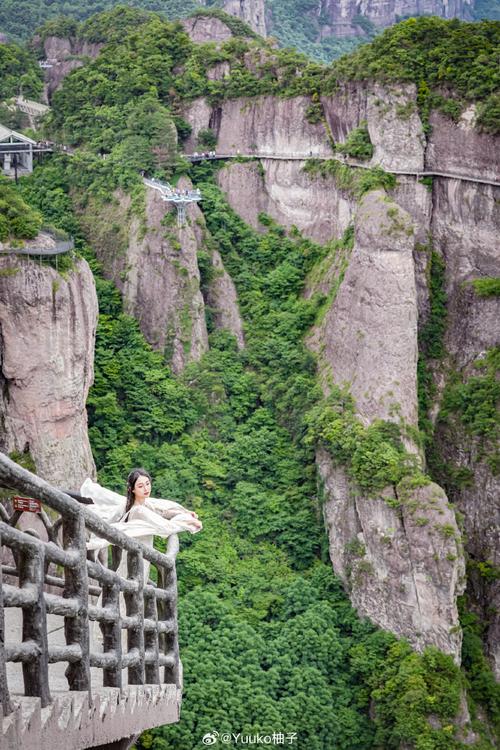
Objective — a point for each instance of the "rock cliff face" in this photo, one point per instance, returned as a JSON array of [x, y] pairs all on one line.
[[154, 264], [465, 227], [402, 570], [47, 332], [339, 14], [282, 190], [65, 55], [203, 29], [341, 17], [369, 337], [264, 125], [253, 12]]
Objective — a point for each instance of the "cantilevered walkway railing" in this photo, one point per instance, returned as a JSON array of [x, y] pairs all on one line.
[[152, 693]]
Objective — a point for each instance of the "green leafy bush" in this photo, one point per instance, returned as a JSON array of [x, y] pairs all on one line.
[[19, 71], [357, 144], [207, 138], [487, 287], [374, 456], [476, 401], [356, 181], [435, 54], [17, 219]]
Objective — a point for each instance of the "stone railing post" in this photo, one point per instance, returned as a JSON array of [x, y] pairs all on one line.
[[76, 628], [4, 689], [36, 667], [135, 609]]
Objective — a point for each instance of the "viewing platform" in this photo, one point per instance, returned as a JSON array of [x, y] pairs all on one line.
[[59, 686], [46, 243], [180, 198]]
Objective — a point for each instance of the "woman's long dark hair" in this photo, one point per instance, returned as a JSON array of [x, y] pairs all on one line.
[[131, 480]]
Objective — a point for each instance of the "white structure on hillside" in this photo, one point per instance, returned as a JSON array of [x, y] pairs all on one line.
[[15, 148]]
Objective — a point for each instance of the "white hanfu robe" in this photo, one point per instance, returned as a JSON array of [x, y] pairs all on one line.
[[155, 517]]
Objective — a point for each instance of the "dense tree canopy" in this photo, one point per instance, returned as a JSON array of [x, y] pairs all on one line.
[[269, 640]]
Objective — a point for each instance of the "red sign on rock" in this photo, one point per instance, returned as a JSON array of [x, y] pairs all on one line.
[[27, 504]]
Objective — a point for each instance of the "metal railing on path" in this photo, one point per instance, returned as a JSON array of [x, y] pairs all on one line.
[[351, 163]]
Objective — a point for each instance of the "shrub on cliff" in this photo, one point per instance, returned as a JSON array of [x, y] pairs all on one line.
[[19, 71], [435, 55], [17, 219]]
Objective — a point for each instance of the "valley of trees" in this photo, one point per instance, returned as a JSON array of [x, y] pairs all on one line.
[[294, 23], [268, 638]]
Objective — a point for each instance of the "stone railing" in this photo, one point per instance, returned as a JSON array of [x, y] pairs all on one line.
[[152, 653]]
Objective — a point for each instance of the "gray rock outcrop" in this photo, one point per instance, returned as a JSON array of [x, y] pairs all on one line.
[[223, 300], [253, 12], [47, 327], [154, 264], [399, 553], [466, 227], [65, 55], [284, 191], [203, 29], [341, 17]]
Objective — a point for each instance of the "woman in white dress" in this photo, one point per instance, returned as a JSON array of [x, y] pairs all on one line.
[[138, 516]]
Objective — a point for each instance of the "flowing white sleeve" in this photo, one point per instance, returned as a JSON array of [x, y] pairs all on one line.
[[166, 508], [143, 521], [108, 505]]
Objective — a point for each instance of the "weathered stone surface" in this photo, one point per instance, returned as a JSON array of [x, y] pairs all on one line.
[[377, 296], [219, 71], [47, 327], [203, 29], [402, 566], [154, 264], [265, 125], [65, 55], [338, 16], [269, 126], [461, 148], [465, 227], [284, 191], [223, 300], [253, 12], [411, 568], [392, 119]]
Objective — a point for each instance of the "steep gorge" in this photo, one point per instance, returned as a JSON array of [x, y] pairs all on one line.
[[390, 307], [460, 219]]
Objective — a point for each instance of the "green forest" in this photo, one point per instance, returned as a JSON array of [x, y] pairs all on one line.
[[268, 638], [294, 23]]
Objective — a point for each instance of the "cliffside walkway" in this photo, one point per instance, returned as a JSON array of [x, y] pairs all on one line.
[[38, 247], [48, 597], [305, 157]]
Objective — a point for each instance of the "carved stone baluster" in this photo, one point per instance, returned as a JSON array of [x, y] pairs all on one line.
[[135, 607], [4, 689], [151, 643], [76, 629], [112, 636], [31, 577], [167, 579]]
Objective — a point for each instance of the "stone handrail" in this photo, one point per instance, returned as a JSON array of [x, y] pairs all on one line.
[[151, 610]]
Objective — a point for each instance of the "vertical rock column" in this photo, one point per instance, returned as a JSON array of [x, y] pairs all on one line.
[[47, 335], [400, 555]]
